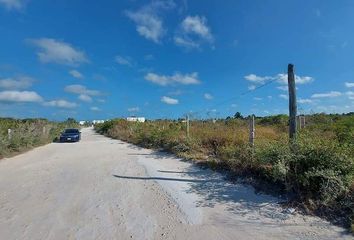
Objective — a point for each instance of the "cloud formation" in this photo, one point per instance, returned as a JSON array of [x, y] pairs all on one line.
[[330, 94], [60, 104], [123, 60], [350, 95], [148, 22], [13, 4], [85, 98], [95, 109], [55, 51], [208, 96], [76, 74], [193, 31], [177, 78], [349, 84], [20, 96], [81, 90], [284, 96], [16, 83], [304, 101], [169, 100], [257, 79], [281, 78]]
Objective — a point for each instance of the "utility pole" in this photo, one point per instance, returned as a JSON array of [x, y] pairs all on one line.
[[252, 130], [292, 102]]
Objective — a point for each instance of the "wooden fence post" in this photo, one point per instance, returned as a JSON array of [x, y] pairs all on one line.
[[252, 130], [9, 134], [187, 125], [292, 102], [301, 122]]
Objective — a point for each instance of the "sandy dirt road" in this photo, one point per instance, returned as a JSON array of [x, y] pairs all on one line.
[[106, 189]]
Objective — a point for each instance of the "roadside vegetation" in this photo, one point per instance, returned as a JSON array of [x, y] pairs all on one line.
[[316, 172], [28, 133]]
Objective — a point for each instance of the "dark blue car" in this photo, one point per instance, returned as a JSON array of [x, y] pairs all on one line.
[[70, 135]]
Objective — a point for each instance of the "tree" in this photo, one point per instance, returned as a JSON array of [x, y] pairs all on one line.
[[238, 115]]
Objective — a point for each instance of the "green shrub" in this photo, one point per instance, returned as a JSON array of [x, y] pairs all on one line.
[[317, 168], [28, 133]]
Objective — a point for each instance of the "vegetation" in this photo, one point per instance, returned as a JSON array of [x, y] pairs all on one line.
[[317, 171], [28, 133]]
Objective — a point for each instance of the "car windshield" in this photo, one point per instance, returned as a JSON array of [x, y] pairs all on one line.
[[71, 131]]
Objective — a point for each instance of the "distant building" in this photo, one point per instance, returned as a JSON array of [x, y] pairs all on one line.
[[98, 121], [82, 123], [135, 119]]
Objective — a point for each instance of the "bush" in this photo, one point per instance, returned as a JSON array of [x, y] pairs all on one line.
[[317, 168], [28, 133]]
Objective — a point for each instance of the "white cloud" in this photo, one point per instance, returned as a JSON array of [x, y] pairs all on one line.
[[16, 83], [76, 74], [257, 79], [169, 100], [349, 84], [20, 96], [60, 104], [134, 109], [148, 23], [233, 105], [95, 109], [252, 87], [101, 100], [85, 98], [350, 95], [197, 25], [193, 31], [284, 96], [81, 90], [188, 43], [123, 60], [258, 98], [13, 4], [60, 52], [330, 94], [304, 101], [281, 78], [177, 78], [208, 96], [283, 88]]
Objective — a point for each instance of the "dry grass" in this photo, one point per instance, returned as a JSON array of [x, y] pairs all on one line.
[[319, 168]]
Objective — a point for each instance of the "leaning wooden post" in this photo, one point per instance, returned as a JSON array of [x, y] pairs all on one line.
[[292, 102], [252, 130]]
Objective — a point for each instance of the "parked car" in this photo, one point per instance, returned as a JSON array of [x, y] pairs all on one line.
[[70, 135]]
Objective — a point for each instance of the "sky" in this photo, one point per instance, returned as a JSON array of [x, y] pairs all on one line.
[[168, 58]]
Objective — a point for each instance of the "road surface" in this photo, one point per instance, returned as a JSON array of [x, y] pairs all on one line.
[[102, 188]]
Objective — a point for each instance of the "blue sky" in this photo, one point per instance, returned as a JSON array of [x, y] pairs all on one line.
[[163, 59]]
